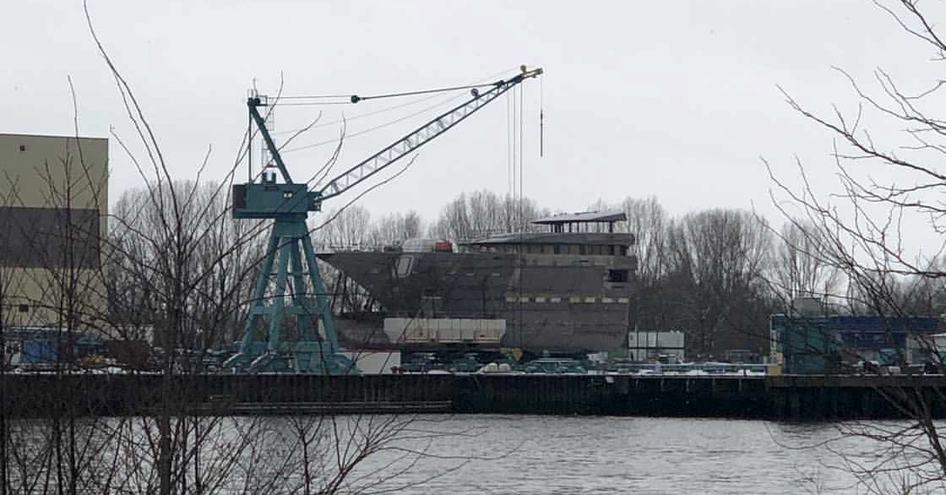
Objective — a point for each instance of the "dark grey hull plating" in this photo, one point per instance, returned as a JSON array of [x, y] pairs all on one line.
[[561, 303]]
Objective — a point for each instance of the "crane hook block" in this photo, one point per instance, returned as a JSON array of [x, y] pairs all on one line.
[[355, 98]]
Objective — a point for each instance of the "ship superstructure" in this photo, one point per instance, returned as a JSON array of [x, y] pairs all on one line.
[[563, 290]]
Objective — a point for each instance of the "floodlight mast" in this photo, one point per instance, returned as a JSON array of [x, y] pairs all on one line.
[[290, 246], [253, 103]]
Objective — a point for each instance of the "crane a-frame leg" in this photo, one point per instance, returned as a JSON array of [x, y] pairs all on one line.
[[315, 348]]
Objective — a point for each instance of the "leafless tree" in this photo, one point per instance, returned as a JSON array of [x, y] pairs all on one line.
[[799, 268], [483, 213], [53, 270], [649, 222], [717, 261], [349, 230], [395, 228], [882, 229]]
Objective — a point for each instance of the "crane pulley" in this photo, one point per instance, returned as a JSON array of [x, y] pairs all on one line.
[[290, 250]]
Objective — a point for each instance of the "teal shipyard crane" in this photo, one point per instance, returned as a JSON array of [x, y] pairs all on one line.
[[290, 249]]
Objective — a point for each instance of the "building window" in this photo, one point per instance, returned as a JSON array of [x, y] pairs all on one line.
[[24, 308], [617, 276]]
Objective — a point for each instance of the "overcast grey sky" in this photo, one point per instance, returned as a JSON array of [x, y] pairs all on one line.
[[675, 99]]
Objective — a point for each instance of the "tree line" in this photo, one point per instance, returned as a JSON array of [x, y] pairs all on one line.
[[716, 274]]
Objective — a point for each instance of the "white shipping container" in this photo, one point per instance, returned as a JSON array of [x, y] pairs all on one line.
[[444, 330]]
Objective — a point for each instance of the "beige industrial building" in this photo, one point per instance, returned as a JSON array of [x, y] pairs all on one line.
[[53, 219]]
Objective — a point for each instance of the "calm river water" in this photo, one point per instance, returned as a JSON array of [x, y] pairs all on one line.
[[476, 454], [542, 455]]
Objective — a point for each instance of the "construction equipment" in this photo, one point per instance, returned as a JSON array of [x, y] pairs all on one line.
[[290, 256]]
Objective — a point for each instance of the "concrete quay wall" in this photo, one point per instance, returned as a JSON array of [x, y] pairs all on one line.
[[776, 397]]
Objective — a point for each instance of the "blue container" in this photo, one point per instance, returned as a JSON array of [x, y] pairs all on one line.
[[39, 352]]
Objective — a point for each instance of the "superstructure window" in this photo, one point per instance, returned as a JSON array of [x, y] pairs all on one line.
[[404, 266], [617, 276]]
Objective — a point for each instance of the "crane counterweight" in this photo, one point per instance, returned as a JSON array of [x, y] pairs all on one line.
[[270, 200]]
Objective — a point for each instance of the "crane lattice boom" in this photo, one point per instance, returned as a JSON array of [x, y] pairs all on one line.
[[419, 137]]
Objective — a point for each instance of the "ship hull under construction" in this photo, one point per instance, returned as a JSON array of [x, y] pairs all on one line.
[[548, 302]]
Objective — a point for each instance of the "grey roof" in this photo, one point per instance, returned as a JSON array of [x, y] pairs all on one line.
[[583, 217], [589, 238]]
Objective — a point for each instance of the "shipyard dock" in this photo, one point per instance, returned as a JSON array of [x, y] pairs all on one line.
[[790, 398]]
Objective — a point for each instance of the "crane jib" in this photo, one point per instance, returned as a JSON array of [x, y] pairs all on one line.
[[420, 136]]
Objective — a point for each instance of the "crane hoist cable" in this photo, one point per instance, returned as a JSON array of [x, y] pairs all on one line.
[[421, 135], [278, 101], [486, 81], [374, 128], [541, 118], [361, 115], [294, 100], [312, 104], [474, 87]]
